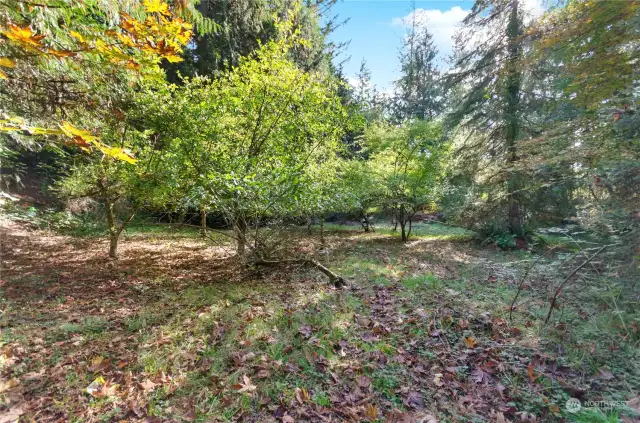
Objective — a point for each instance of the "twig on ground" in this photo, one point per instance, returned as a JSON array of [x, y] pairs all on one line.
[[555, 296], [524, 277]]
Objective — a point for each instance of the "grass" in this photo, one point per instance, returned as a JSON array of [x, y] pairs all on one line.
[[427, 231], [189, 337]]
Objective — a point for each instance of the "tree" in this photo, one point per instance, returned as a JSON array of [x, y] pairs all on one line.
[[409, 161], [360, 191], [489, 66], [588, 124], [242, 26], [366, 95], [121, 187], [419, 93], [251, 137]]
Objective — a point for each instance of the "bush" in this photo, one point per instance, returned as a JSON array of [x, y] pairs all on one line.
[[496, 233]]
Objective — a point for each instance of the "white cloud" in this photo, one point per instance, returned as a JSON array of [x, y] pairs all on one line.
[[443, 24], [533, 9]]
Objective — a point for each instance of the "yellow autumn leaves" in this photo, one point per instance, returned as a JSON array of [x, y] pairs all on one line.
[[138, 45], [85, 141], [5, 62], [160, 36], [78, 137]]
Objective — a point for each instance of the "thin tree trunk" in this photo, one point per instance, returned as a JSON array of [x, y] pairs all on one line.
[[111, 223], [113, 244], [513, 83], [364, 222], [403, 224], [322, 231], [240, 228], [203, 222]]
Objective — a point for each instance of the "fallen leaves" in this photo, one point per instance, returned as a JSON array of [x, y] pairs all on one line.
[[148, 385], [98, 364], [302, 395], [371, 412], [245, 385], [530, 372], [363, 382], [5, 385], [101, 388], [470, 341]]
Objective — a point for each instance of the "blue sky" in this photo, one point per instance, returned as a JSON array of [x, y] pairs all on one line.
[[375, 30]]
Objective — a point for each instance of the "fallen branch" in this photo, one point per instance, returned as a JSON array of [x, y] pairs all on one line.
[[337, 280], [524, 277], [555, 296]]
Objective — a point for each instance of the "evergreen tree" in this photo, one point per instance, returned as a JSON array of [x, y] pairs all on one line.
[[488, 65], [242, 26], [418, 91]]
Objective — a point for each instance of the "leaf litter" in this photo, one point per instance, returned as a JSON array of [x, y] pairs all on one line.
[[95, 341]]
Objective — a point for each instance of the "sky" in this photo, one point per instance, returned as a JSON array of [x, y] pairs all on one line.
[[376, 27]]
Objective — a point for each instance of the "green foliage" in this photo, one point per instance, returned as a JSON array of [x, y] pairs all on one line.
[[419, 90], [409, 161], [257, 143]]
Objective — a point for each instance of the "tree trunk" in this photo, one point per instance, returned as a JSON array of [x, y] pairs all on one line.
[[113, 244], [111, 222], [322, 231], [403, 224], [513, 84], [240, 229], [203, 222], [364, 222]]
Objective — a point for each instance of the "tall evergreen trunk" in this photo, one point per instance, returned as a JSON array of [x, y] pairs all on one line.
[[512, 103]]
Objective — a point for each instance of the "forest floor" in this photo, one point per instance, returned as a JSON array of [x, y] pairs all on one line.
[[176, 331]]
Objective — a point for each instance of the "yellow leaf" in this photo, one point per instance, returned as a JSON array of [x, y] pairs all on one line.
[[156, 6], [23, 36], [118, 153], [72, 132], [7, 63], [172, 58], [3, 75], [470, 341], [61, 53], [77, 36]]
